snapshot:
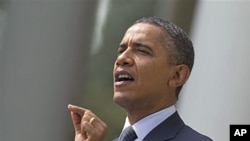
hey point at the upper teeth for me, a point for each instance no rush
(124, 76)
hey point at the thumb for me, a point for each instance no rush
(76, 115)
(76, 119)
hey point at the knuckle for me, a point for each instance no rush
(105, 125)
(88, 112)
(84, 122)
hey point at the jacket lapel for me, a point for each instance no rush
(166, 130)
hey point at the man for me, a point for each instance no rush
(155, 58)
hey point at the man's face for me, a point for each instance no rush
(141, 70)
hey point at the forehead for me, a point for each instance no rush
(143, 31)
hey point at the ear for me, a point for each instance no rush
(179, 76)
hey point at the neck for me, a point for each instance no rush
(136, 114)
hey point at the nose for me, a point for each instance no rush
(125, 58)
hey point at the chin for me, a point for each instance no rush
(117, 97)
(121, 99)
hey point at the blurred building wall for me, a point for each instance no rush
(217, 93)
(2, 28)
(43, 54)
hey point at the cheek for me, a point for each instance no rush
(152, 73)
(152, 82)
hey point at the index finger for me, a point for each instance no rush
(77, 109)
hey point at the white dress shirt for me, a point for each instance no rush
(145, 125)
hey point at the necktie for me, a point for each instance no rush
(128, 134)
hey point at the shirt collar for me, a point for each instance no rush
(145, 125)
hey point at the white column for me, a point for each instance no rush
(42, 64)
(217, 93)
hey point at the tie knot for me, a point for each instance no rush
(128, 134)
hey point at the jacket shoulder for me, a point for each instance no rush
(191, 134)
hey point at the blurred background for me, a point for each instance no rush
(56, 52)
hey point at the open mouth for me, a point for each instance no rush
(123, 76)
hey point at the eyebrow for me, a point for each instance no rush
(137, 45)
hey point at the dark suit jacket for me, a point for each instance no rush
(174, 129)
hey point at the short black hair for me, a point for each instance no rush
(179, 44)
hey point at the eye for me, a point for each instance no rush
(143, 48)
(143, 51)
